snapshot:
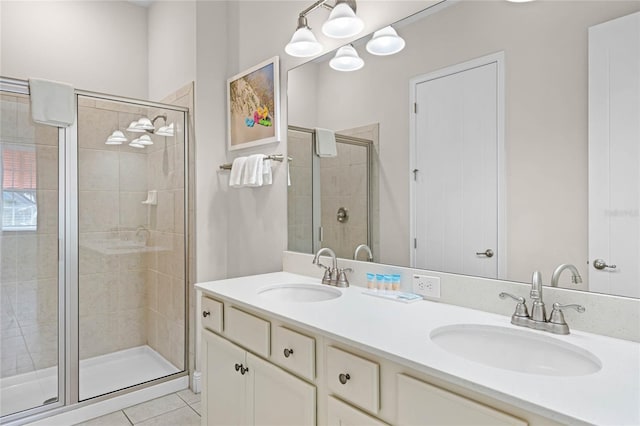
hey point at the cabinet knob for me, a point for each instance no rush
(238, 367)
(288, 353)
(243, 370)
(206, 313)
(344, 378)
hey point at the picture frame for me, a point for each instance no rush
(253, 106)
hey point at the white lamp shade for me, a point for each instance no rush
(116, 138)
(166, 130)
(133, 127)
(303, 44)
(342, 22)
(134, 144)
(144, 140)
(145, 124)
(385, 42)
(346, 59)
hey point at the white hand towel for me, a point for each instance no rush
(267, 175)
(237, 172)
(326, 143)
(253, 170)
(52, 103)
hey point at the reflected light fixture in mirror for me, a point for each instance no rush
(385, 42)
(116, 138)
(343, 21)
(303, 43)
(346, 59)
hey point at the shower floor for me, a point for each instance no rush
(98, 375)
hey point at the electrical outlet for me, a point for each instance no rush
(426, 286)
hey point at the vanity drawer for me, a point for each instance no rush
(294, 351)
(354, 378)
(247, 330)
(425, 404)
(341, 413)
(212, 314)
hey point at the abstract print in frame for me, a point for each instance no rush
(253, 106)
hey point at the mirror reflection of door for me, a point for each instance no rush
(455, 169)
(614, 151)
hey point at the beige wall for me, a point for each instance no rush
(93, 45)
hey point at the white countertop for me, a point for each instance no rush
(400, 332)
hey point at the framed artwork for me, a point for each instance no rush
(253, 106)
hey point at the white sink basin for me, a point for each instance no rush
(516, 350)
(299, 292)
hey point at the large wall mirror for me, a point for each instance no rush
(503, 139)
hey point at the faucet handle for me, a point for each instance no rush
(342, 277)
(557, 322)
(521, 307)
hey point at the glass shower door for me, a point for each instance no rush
(131, 234)
(29, 277)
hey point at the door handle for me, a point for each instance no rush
(487, 252)
(601, 264)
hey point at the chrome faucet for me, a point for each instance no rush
(366, 249)
(538, 318)
(332, 275)
(575, 275)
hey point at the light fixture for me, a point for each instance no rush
(303, 43)
(143, 125)
(116, 138)
(343, 22)
(144, 140)
(165, 130)
(346, 59)
(385, 42)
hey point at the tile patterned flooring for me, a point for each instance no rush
(177, 409)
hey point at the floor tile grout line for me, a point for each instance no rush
(161, 415)
(194, 410)
(127, 417)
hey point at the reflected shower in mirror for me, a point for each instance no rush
(502, 128)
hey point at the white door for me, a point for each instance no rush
(224, 390)
(455, 189)
(279, 398)
(614, 156)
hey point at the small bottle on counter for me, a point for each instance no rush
(395, 282)
(388, 280)
(380, 282)
(371, 281)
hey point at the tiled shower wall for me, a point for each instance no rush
(166, 273)
(112, 183)
(28, 259)
(299, 194)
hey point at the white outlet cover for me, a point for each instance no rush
(426, 286)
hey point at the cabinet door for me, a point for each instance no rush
(422, 404)
(224, 389)
(280, 398)
(342, 414)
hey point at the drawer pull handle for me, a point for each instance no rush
(344, 378)
(206, 313)
(288, 353)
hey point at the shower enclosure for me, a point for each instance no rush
(331, 201)
(93, 251)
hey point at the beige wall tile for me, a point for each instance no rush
(98, 211)
(132, 212)
(132, 328)
(47, 167)
(131, 290)
(133, 171)
(98, 170)
(95, 126)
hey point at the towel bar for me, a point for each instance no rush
(274, 157)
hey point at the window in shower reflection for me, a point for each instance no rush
(19, 205)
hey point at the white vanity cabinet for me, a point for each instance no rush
(241, 388)
(261, 370)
